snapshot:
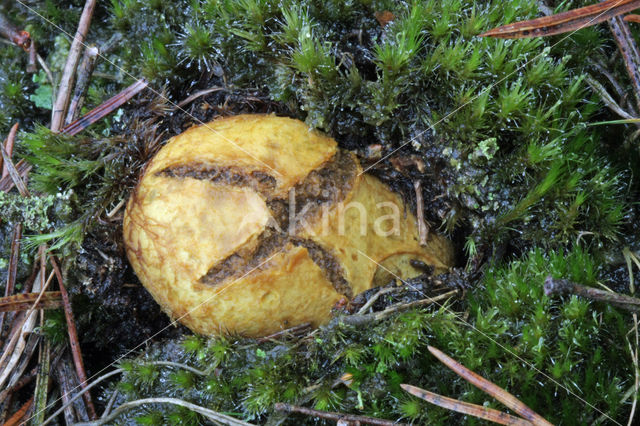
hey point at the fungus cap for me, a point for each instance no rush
(255, 223)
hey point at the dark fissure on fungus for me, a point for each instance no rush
(259, 181)
(325, 186)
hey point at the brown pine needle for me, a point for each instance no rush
(564, 22)
(104, 109)
(23, 168)
(632, 18)
(490, 388)
(8, 145)
(22, 302)
(466, 408)
(73, 339)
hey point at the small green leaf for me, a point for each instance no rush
(42, 96)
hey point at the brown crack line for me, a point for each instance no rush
(326, 185)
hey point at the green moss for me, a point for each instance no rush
(501, 127)
(534, 346)
(424, 81)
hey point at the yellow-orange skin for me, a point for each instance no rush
(176, 229)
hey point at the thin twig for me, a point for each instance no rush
(112, 400)
(474, 410)
(22, 382)
(117, 207)
(27, 354)
(288, 332)
(209, 414)
(84, 77)
(377, 316)
(423, 229)
(113, 373)
(636, 369)
(73, 339)
(606, 98)
(32, 67)
(182, 366)
(8, 145)
(65, 392)
(12, 270)
(82, 392)
(617, 87)
(76, 410)
(336, 417)
(42, 382)
(26, 325)
(559, 286)
(68, 74)
(47, 71)
(374, 298)
(85, 70)
(629, 50)
(490, 388)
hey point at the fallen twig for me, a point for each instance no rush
(84, 76)
(67, 379)
(629, 49)
(8, 145)
(27, 353)
(24, 326)
(377, 316)
(85, 70)
(42, 382)
(13, 173)
(632, 18)
(73, 339)
(423, 229)
(558, 286)
(606, 98)
(337, 417)
(112, 400)
(288, 332)
(374, 298)
(22, 382)
(209, 414)
(113, 373)
(66, 81)
(79, 394)
(12, 270)
(8, 166)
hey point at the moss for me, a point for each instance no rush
(510, 164)
(515, 336)
(423, 81)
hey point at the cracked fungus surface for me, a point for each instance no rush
(255, 223)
